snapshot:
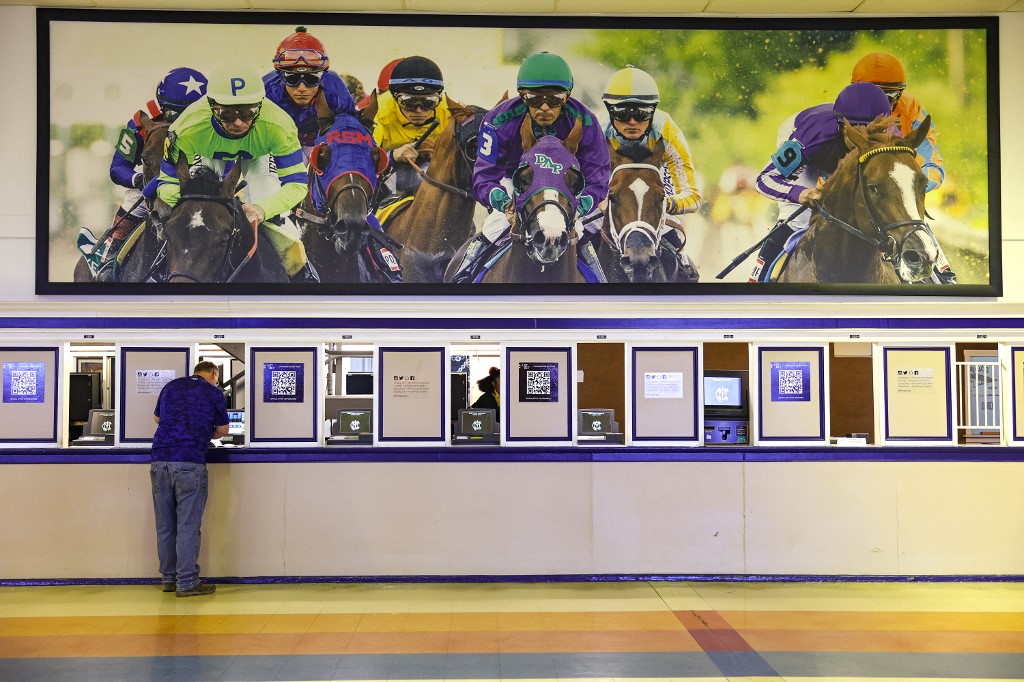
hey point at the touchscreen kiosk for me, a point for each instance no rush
(475, 426)
(99, 429)
(597, 425)
(726, 410)
(352, 426)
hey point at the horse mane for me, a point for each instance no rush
(203, 181)
(636, 151)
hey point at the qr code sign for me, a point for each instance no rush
(23, 383)
(282, 382)
(538, 382)
(791, 382)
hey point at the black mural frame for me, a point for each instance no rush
(708, 286)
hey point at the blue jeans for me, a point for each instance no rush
(179, 498)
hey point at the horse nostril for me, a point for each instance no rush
(538, 239)
(912, 257)
(563, 240)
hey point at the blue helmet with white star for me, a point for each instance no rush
(179, 88)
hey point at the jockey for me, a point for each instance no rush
(235, 124)
(811, 145)
(886, 72)
(414, 102)
(301, 79)
(544, 84)
(175, 91)
(631, 98)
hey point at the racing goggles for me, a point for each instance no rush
(535, 100)
(418, 102)
(627, 112)
(290, 59)
(246, 113)
(310, 79)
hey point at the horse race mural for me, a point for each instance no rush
(465, 155)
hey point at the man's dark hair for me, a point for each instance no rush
(206, 366)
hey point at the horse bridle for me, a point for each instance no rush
(462, 159)
(325, 217)
(235, 207)
(881, 239)
(522, 220)
(651, 231)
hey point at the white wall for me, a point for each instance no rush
(523, 518)
(17, 228)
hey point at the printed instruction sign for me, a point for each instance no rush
(913, 380)
(663, 384)
(24, 382)
(151, 381)
(283, 382)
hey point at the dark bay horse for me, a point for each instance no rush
(208, 238)
(139, 252)
(546, 188)
(343, 169)
(440, 217)
(869, 224)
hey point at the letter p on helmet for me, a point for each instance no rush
(237, 84)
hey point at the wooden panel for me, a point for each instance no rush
(726, 356)
(851, 388)
(604, 377)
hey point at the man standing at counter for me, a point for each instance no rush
(189, 412)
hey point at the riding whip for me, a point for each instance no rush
(743, 256)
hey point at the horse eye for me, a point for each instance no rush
(471, 150)
(574, 181)
(522, 179)
(874, 189)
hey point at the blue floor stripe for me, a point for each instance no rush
(515, 666)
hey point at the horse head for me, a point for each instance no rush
(207, 233)
(465, 128)
(888, 203)
(343, 169)
(547, 187)
(153, 133)
(636, 208)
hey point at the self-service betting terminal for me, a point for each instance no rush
(726, 407)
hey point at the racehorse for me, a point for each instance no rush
(440, 217)
(869, 224)
(546, 188)
(343, 169)
(142, 250)
(635, 217)
(209, 239)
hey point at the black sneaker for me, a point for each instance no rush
(169, 587)
(199, 590)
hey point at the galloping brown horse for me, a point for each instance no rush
(141, 251)
(869, 226)
(547, 187)
(440, 217)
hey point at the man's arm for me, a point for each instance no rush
(220, 431)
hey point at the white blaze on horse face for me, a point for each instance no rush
(197, 221)
(550, 219)
(639, 188)
(903, 176)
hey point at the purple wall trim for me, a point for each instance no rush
(234, 323)
(557, 578)
(485, 454)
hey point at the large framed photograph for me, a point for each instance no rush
(275, 153)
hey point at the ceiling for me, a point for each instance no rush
(571, 7)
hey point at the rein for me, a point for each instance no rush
(881, 239)
(440, 185)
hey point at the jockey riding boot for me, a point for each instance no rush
(472, 260)
(107, 249)
(771, 249)
(675, 239)
(307, 274)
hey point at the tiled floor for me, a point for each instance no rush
(524, 631)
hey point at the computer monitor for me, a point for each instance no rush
(725, 393)
(236, 422)
(101, 423)
(359, 383)
(476, 422)
(596, 422)
(354, 422)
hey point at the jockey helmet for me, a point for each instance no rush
(301, 52)
(179, 88)
(544, 70)
(879, 68)
(236, 85)
(384, 79)
(631, 86)
(416, 75)
(861, 103)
